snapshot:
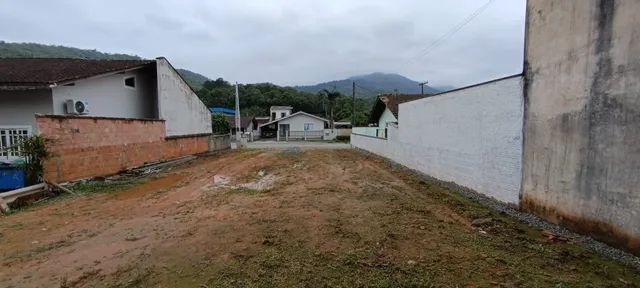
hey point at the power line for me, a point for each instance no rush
(367, 89)
(435, 44)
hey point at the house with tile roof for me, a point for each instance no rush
(384, 112)
(113, 89)
(285, 126)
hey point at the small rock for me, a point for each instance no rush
(133, 238)
(422, 227)
(481, 221)
(35, 242)
(411, 262)
(261, 173)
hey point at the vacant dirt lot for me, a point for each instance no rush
(318, 218)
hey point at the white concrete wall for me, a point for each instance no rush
(296, 123)
(472, 137)
(367, 131)
(18, 108)
(183, 111)
(109, 97)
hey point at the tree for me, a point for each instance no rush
(219, 124)
(331, 97)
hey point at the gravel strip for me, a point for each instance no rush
(533, 220)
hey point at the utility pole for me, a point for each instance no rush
(353, 113)
(421, 84)
(237, 114)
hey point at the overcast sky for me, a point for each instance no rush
(287, 42)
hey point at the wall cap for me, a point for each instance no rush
(38, 115)
(188, 136)
(369, 136)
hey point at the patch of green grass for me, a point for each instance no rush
(103, 186)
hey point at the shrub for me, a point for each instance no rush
(219, 124)
(34, 150)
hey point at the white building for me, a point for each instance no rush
(136, 89)
(297, 126)
(278, 112)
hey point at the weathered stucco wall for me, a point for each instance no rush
(582, 128)
(183, 111)
(472, 137)
(20, 107)
(109, 97)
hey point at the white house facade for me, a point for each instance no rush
(298, 126)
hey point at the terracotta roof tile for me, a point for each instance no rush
(30, 73)
(392, 102)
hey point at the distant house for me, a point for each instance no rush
(255, 124)
(277, 112)
(246, 123)
(385, 111)
(343, 128)
(297, 126)
(123, 89)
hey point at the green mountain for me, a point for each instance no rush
(34, 50)
(371, 85)
(194, 79)
(24, 50)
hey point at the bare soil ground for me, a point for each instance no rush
(317, 218)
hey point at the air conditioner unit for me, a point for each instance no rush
(77, 107)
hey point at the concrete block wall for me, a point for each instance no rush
(582, 128)
(219, 142)
(83, 147)
(472, 137)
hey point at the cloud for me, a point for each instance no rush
(284, 41)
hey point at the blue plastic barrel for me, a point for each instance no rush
(11, 177)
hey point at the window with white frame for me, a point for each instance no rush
(10, 136)
(308, 126)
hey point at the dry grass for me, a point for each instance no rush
(330, 219)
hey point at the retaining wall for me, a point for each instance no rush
(84, 147)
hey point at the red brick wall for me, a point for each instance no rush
(84, 147)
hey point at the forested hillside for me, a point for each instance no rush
(256, 99)
(371, 85)
(23, 50)
(194, 79)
